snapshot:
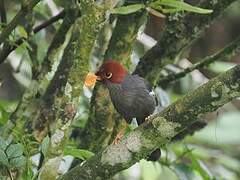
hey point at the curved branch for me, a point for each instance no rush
(161, 128)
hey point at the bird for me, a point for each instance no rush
(131, 95)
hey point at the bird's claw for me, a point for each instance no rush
(148, 118)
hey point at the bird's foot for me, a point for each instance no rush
(118, 138)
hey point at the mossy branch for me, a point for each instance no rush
(161, 128)
(30, 103)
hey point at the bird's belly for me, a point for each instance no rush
(134, 106)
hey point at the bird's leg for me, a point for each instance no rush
(120, 134)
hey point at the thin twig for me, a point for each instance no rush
(3, 12)
(8, 48)
(50, 21)
(225, 53)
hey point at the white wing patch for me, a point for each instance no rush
(151, 93)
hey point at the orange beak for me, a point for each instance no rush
(91, 79)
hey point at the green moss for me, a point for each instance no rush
(89, 26)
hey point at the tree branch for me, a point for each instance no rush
(180, 31)
(72, 68)
(25, 9)
(8, 48)
(226, 53)
(160, 129)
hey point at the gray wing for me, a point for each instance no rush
(137, 94)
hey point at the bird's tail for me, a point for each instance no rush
(155, 155)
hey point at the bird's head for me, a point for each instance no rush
(111, 71)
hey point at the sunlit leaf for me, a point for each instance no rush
(22, 32)
(79, 153)
(180, 5)
(128, 9)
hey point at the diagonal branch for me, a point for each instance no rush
(161, 128)
(226, 53)
(50, 21)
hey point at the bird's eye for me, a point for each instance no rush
(108, 75)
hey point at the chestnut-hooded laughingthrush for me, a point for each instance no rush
(131, 95)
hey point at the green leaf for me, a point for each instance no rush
(128, 9)
(18, 161)
(180, 5)
(79, 153)
(3, 144)
(14, 150)
(22, 32)
(44, 145)
(3, 158)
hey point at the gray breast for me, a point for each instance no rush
(132, 98)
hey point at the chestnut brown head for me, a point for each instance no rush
(111, 71)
